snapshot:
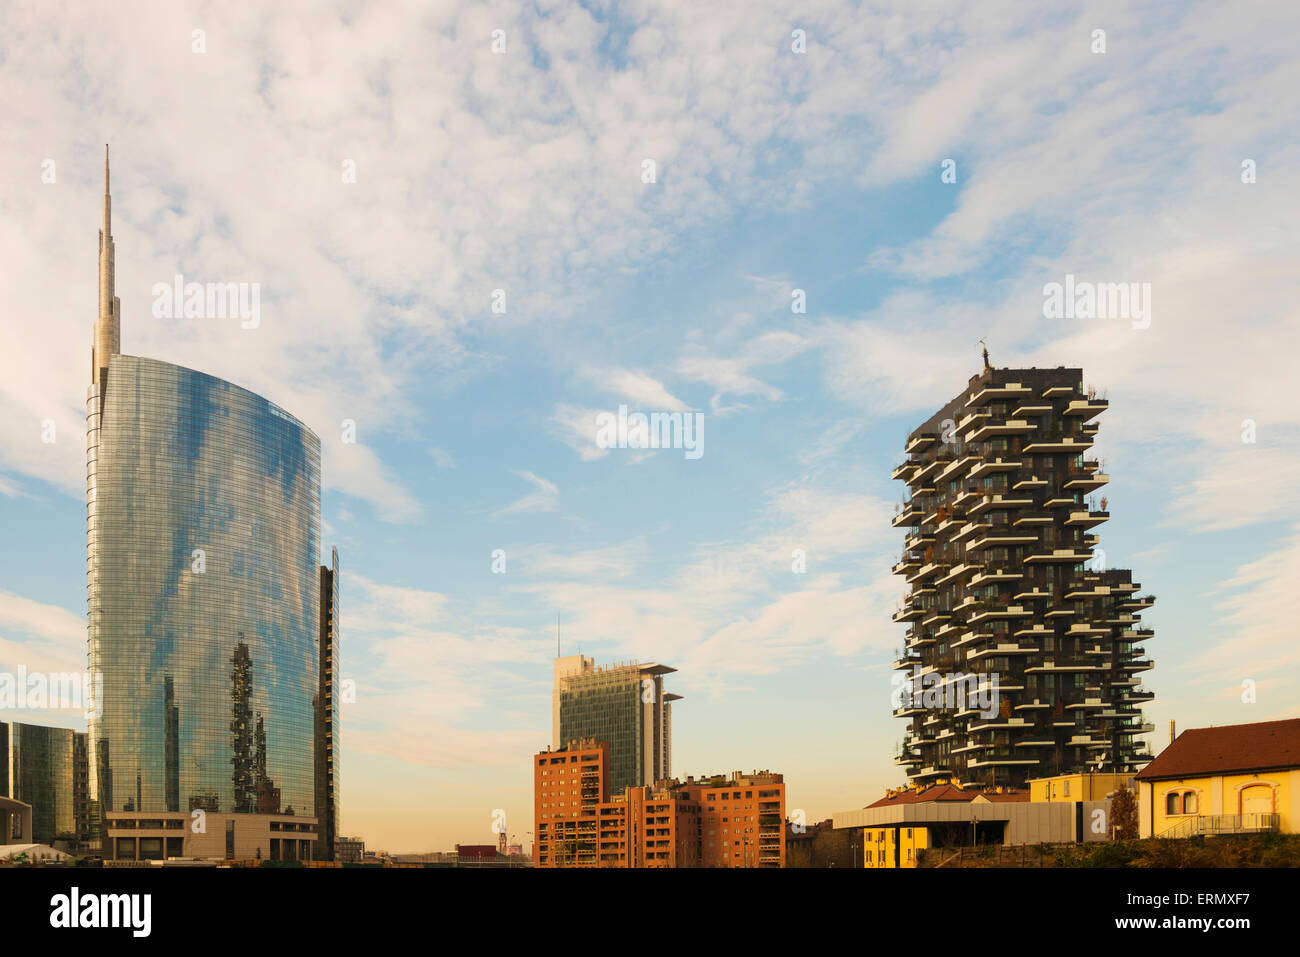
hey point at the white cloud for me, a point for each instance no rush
(541, 500)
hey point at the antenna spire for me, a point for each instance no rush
(108, 321)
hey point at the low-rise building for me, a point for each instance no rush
(349, 850)
(208, 835)
(910, 820)
(1242, 778)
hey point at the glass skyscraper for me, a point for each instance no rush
(203, 586)
(46, 768)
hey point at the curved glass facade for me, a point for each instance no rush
(204, 524)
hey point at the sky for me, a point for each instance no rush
(469, 244)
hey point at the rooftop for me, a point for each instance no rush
(1264, 745)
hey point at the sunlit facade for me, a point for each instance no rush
(46, 768)
(203, 586)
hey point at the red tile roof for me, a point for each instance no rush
(947, 792)
(1262, 746)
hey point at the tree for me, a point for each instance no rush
(1124, 815)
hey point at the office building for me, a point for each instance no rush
(1006, 584)
(47, 768)
(624, 705)
(204, 596)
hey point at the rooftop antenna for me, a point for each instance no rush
(987, 367)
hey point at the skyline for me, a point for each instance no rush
(474, 429)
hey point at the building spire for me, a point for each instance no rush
(108, 321)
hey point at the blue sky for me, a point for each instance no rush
(776, 171)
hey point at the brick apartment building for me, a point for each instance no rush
(720, 821)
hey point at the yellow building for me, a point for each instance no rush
(893, 846)
(1077, 787)
(1235, 779)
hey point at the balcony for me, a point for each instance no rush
(1009, 390)
(907, 515)
(957, 467)
(1087, 519)
(1002, 539)
(1201, 824)
(990, 575)
(926, 470)
(906, 564)
(988, 466)
(1039, 518)
(920, 441)
(981, 431)
(909, 613)
(1032, 408)
(1084, 481)
(1062, 443)
(1086, 408)
(1059, 555)
(995, 502)
(903, 471)
(985, 613)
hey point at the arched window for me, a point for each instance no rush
(1189, 802)
(1173, 803)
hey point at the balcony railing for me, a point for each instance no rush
(1224, 824)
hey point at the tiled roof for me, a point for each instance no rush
(947, 792)
(1234, 747)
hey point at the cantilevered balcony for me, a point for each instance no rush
(906, 564)
(994, 502)
(1081, 480)
(1086, 408)
(918, 442)
(996, 612)
(907, 515)
(1031, 407)
(1001, 538)
(957, 572)
(987, 466)
(927, 470)
(1010, 390)
(1087, 519)
(909, 613)
(984, 430)
(990, 575)
(1058, 556)
(1063, 443)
